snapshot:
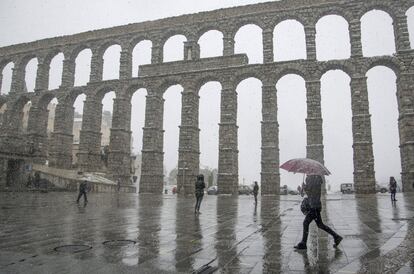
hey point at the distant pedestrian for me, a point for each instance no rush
(37, 179)
(118, 184)
(199, 192)
(255, 191)
(29, 180)
(83, 187)
(393, 188)
(313, 188)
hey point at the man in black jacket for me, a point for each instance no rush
(83, 187)
(199, 192)
(313, 188)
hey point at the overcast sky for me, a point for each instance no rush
(24, 21)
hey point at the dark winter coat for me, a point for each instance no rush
(313, 188)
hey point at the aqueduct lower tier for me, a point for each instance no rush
(191, 73)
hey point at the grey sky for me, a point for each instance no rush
(24, 21)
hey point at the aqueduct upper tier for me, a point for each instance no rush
(191, 73)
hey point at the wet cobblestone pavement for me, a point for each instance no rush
(126, 233)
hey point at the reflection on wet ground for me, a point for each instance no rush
(122, 233)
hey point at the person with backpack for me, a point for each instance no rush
(199, 192)
(313, 187)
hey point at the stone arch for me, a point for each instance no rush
(213, 43)
(176, 54)
(111, 58)
(54, 73)
(384, 106)
(30, 74)
(410, 24)
(132, 43)
(167, 83)
(83, 60)
(73, 53)
(138, 96)
(347, 68)
(206, 28)
(104, 89)
(249, 46)
(289, 17)
(255, 74)
(388, 42)
(336, 111)
(207, 78)
(296, 70)
(377, 5)
(135, 48)
(388, 62)
(328, 51)
(6, 71)
(344, 13)
(280, 27)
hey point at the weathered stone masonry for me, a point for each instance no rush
(191, 73)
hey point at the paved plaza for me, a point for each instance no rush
(127, 233)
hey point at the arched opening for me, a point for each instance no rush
(55, 71)
(141, 55)
(383, 107)
(7, 78)
(249, 117)
(77, 125)
(377, 29)
(211, 44)
(83, 67)
(209, 119)
(106, 121)
(337, 127)
(174, 48)
(25, 116)
(30, 75)
(3, 110)
(138, 101)
(111, 62)
(51, 108)
(248, 40)
(171, 123)
(291, 116)
(410, 23)
(332, 38)
(289, 42)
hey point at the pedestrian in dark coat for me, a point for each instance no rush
(82, 191)
(255, 191)
(313, 188)
(393, 188)
(199, 192)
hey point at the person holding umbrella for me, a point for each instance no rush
(313, 188)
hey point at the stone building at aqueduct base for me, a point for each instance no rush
(18, 147)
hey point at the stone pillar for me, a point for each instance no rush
(157, 53)
(96, 67)
(152, 168)
(267, 45)
(68, 72)
(42, 77)
(314, 133)
(37, 131)
(228, 44)
(355, 38)
(89, 156)
(119, 162)
(270, 176)
(228, 168)
(61, 143)
(125, 68)
(405, 87)
(402, 36)
(191, 50)
(314, 144)
(189, 148)
(310, 33)
(364, 174)
(18, 83)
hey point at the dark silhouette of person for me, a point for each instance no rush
(199, 192)
(313, 188)
(82, 191)
(255, 191)
(393, 188)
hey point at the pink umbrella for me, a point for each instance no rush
(306, 166)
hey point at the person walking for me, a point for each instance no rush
(255, 191)
(313, 187)
(393, 188)
(199, 192)
(82, 191)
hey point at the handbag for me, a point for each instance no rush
(305, 206)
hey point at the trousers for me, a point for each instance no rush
(315, 214)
